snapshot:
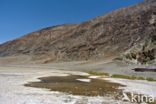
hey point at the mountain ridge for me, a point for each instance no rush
(108, 35)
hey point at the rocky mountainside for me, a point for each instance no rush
(128, 32)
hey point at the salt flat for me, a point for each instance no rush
(12, 90)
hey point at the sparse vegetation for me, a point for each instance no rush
(141, 78)
(120, 76)
(150, 79)
(97, 73)
(132, 77)
(124, 77)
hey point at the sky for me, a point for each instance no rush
(20, 17)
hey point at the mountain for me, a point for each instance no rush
(128, 33)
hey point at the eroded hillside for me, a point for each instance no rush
(107, 35)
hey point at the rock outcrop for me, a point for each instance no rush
(144, 52)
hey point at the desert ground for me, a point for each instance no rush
(13, 77)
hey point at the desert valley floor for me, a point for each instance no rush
(13, 91)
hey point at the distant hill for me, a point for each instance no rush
(128, 33)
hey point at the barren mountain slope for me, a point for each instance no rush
(106, 35)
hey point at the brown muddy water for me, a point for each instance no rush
(70, 85)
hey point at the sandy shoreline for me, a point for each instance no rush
(13, 91)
